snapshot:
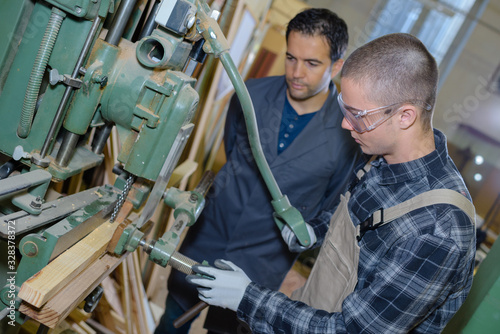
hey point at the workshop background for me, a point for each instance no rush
(464, 37)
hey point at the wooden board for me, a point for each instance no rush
(42, 286)
(122, 224)
(60, 305)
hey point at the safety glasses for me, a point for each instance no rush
(367, 120)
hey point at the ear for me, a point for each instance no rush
(407, 116)
(336, 67)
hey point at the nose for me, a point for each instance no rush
(298, 70)
(346, 125)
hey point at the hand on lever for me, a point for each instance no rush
(223, 286)
(291, 239)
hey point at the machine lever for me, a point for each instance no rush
(55, 78)
(189, 314)
(164, 175)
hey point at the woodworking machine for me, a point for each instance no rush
(71, 73)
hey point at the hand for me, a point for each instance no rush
(291, 239)
(224, 287)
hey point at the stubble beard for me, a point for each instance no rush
(299, 95)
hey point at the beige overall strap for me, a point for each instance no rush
(431, 197)
(365, 169)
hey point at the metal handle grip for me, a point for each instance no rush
(189, 314)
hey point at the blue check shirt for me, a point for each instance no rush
(413, 273)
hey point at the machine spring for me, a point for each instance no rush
(122, 197)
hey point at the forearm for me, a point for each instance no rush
(268, 311)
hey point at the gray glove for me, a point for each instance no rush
(291, 239)
(222, 287)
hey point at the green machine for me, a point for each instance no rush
(72, 71)
(481, 311)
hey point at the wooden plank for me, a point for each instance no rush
(111, 295)
(79, 315)
(59, 306)
(126, 297)
(42, 286)
(122, 224)
(185, 169)
(141, 321)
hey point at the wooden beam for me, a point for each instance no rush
(60, 305)
(126, 298)
(141, 319)
(122, 223)
(42, 286)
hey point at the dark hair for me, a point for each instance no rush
(395, 68)
(322, 22)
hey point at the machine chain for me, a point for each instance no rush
(122, 197)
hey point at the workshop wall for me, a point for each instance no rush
(468, 105)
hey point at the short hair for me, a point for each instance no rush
(395, 68)
(322, 22)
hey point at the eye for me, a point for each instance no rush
(312, 64)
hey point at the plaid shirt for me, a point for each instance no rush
(413, 273)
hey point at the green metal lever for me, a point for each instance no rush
(216, 43)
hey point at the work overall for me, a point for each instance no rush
(335, 272)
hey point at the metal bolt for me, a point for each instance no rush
(213, 35)
(78, 10)
(193, 198)
(147, 247)
(190, 21)
(36, 203)
(104, 81)
(215, 14)
(93, 299)
(101, 80)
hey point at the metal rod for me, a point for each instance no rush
(67, 93)
(101, 137)
(182, 263)
(150, 24)
(205, 183)
(67, 148)
(120, 22)
(189, 314)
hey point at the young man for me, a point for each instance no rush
(309, 153)
(415, 269)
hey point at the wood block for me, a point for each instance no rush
(59, 306)
(111, 295)
(78, 315)
(186, 168)
(122, 224)
(42, 286)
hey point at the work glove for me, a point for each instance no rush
(223, 286)
(291, 239)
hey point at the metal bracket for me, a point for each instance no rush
(165, 173)
(93, 299)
